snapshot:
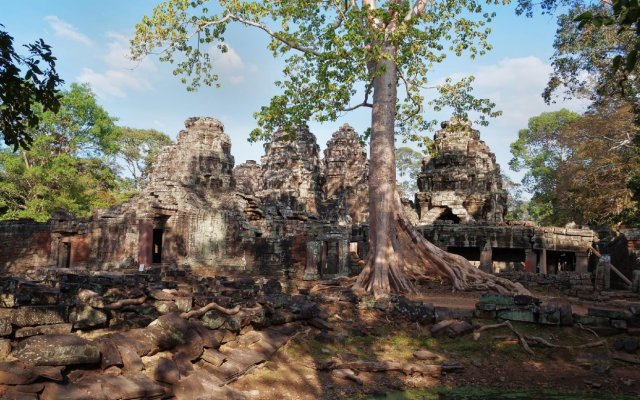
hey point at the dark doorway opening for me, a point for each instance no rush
(448, 215)
(470, 253)
(156, 254)
(64, 255)
(560, 261)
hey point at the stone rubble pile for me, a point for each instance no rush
(140, 335)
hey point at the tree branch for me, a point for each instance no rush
(416, 10)
(264, 28)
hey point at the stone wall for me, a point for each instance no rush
(24, 243)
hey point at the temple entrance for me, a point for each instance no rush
(448, 215)
(64, 255)
(560, 261)
(156, 254)
(330, 258)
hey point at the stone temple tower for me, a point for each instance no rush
(461, 183)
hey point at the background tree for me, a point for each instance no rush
(541, 151)
(517, 205)
(575, 170)
(408, 162)
(335, 51)
(26, 81)
(596, 55)
(69, 165)
(139, 149)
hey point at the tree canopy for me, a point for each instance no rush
(139, 149)
(70, 164)
(26, 83)
(574, 170)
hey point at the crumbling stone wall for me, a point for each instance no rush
(462, 182)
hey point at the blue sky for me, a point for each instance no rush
(90, 39)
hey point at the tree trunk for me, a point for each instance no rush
(397, 252)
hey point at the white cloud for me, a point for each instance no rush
(516, 85)
(65, 30)
(229, 64)
(122, 74)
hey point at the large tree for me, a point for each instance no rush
(337, 50)
(69, 165)
(26, 83)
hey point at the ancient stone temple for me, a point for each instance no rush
(291, 171)
(294, 213)
(462, 182)
(346, 173)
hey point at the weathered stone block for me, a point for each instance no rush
(8, 300)
(5, 327)
(485, 306)
(39, 315)
(518, 315)
(165, 306)
(5, 348)
(184, 304)
(84, 317)
(213, 320)
(591, 320)
(57, 350)
(607, 313)
(497, 299)
(54, 329)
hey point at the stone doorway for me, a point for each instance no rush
(64, 255)
(156, 253)
(560, 261)
(330, 258)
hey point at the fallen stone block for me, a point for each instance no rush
(131, 361)
(166, 371)
(607, 313)
(57, 350)
(55, 329)
(497, 299)
(110, 353)
(214, 357)
(5, 327)
(83, 317)
(19, 373)
(518, 315)
(39, 315)
(591, 320)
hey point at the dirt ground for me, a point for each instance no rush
(495, 361)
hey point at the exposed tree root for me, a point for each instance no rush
(211, 306)
(383, 366)
(385, 272)
(525, 339)
(116, 305)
